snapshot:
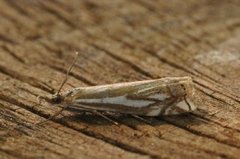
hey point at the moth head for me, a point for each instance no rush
(57, 99)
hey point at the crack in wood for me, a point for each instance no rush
(16, 7)
(56, 14)
(77, 76)
(26, 79)
(220, 154)
(18, 58)
(180, 58)
(7, 39)
(17, 103)
(215, 90)
(218, 99)
(132, 65)
(15, 154)
(201, 134)
(215, 122)
(115, 142)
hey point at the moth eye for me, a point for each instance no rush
(56, 99)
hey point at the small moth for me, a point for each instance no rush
(165, 96)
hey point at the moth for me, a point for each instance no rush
(165, 96)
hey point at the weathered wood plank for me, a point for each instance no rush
(119, 41)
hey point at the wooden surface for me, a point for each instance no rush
(119, 41)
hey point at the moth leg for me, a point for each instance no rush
(53, 116)
(140, 118)
(105, 117)
(185, 98)
(171, 102)
(170, 91)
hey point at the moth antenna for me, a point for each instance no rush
(67, 74)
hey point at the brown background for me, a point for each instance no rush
(119, 41)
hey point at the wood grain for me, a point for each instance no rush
(119, 41)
